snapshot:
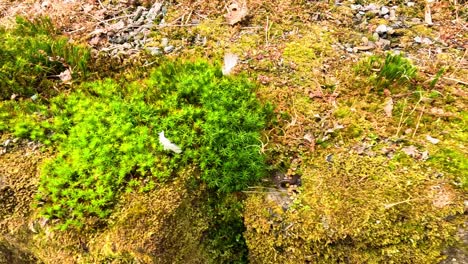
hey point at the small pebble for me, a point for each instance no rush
(427, 41)
(381, 29)
(127, 45)
(384, 10)
(371, 7)
(154, 50)
(168, 49)
(383, 43)
(45, 4)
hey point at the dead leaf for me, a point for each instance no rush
(388, 108)
(94, 41)
(65, 76)
(309, 137)
(411, 151)
(236, 13)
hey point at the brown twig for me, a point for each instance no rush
(455, 80)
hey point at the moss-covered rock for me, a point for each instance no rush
(357, 210)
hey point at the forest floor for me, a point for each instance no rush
(321, 64)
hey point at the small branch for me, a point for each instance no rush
(100, 3)
(388, 206)
(455, 80)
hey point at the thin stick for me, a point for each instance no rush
(260, 192)
(419, 121)
(262, 187)
(188, 17)
(388, 206)
(76, 30)
(412, 111)
(114, 18)
(100, 3)
(455, 80)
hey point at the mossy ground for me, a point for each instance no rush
(362, 199)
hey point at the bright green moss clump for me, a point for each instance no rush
(356, 210)
(32, 56)
(388, 71)
(108, 138)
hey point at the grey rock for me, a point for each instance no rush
(383, 43)
(381, 29)
(154, 50)
(392, 14)
(371, 7)
(384, 10)
(168, 49)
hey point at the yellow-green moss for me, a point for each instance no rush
(356, 210)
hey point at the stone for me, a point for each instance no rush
(154, 50)
(168, 49)
(384, 10)
(381, 29)
(383, 43)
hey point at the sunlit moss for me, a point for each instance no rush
(356, 209)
